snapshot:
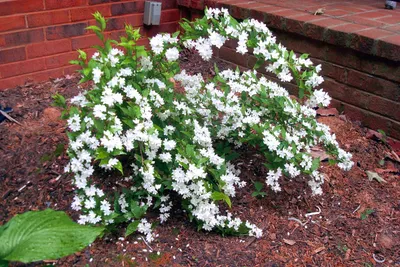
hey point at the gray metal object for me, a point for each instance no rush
(390, 4)
(152, 13)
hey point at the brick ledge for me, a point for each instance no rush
(339, 31)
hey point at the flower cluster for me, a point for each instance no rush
(166, 143)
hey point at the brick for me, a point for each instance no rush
(231, 56)
(116, 35)
(21, 38)
(257, 14)
(144, 41)
(368, 119)
(85, 13)
(196, 14)
(241, 11)
(166, 27)
(315, 29)
(390, 20)
(197, 4)
(374, 15)
(346, 94)
(362, 99)
(55, 4)
(12, 55)
(127, 8)
(14, 7)
(96, 2)
(340, 35)
(85, 41)
(47, 18)
(184, 13)
(394, 28)
(274, 21)
(48, 48)
(373, 84)
(118, 23)
(183, 3)
(60, 60)
(302, 44)
(336, 72)
(71, 69)
(65, 31)
(389, 47)
(37, 77)
(23, 67)
(290, 13)
(363, 21)
(170, 15)
(365, 41)
(395, 132)
(381, 67)
(167, 4)
(383, 106)
(343, 56)
(231, 43)
(12, 23)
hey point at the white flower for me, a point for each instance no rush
(105, 207)
(99, 111)
(157, 44)
(216, 39)
(90, 203)
(144, 227)
(271, 141)
(292, 170)
(165, 157)
(97, 73)
(172, 54)
(169, 145)
(74, 123)
(146, 63)
(273, 179)
(319, 97)
(314, 80)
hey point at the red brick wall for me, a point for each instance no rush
(39, 37)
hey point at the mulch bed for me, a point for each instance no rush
(359, 217)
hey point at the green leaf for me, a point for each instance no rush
(119, 167)
(137, 211)
(3, 263)
(221, 196)
(100, 19)
(132, 227)
(82, 54)
(44, 235)
(366, 213)
(59, 101)
(74, 62)
(190, 150)
(259, 63)
(315, 164)
(93, 28)
(258, 186)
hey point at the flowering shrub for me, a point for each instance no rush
(164, 142)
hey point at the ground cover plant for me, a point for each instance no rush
(43, 235)
(163, 142)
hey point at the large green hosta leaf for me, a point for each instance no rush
(40, 235)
